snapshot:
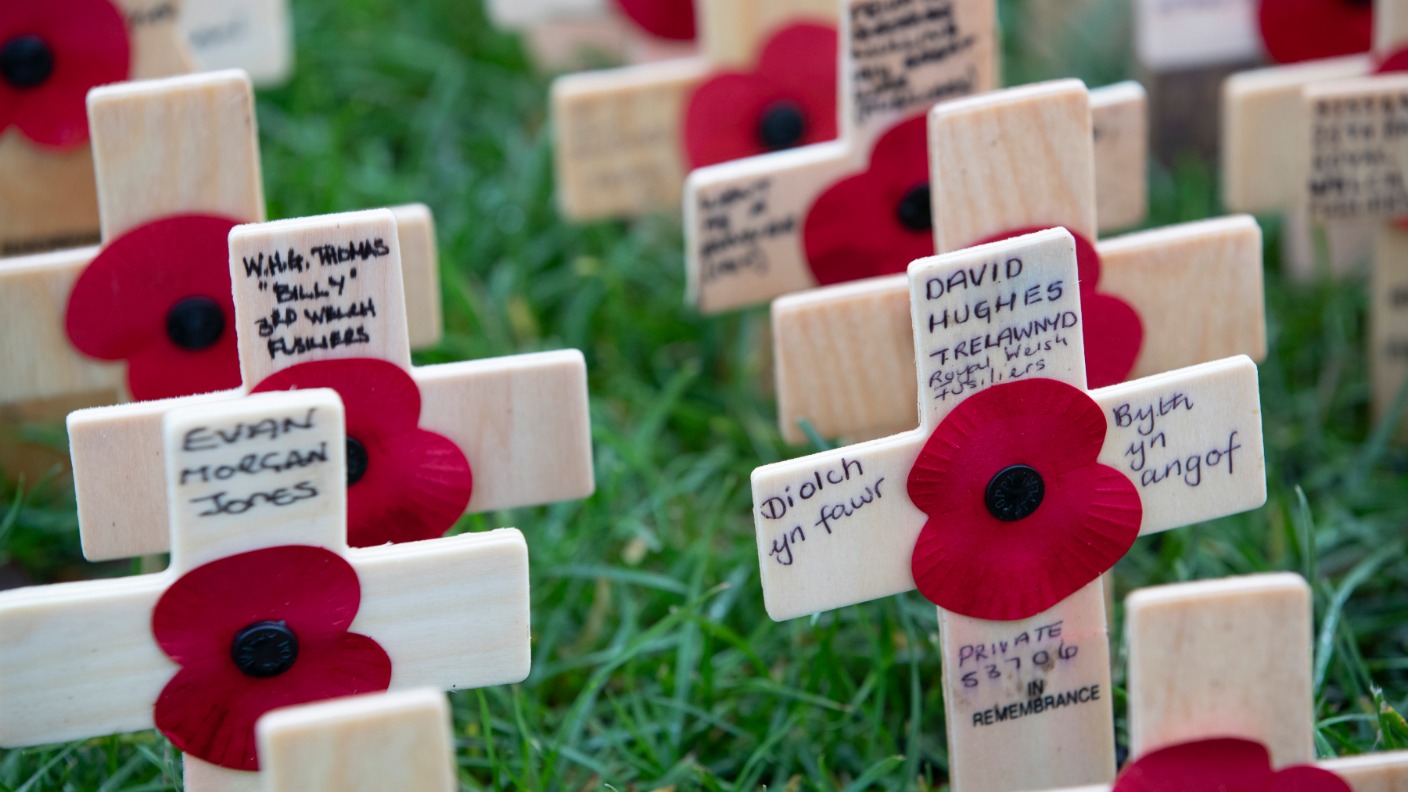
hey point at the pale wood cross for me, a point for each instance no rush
(254, 35)
(178, 146)
(330, 289)
(619, 143)
(1357, 169)
(1231, 659)
(839, 528)
(48, 198)
(1196, 287)
(264, 604)
(368, 743)
(1265, 150)
(564, 33)
(1173, 36)
(749, 223)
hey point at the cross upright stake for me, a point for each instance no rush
(620, 145)
(370, 743)
(994, 511)
(254, 35)
(318, 302)
(1265, 151)
(1230, 659)
(47, 189)
(264, 605)
(166, 151)
(1194, 290)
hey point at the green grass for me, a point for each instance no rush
(654, 663)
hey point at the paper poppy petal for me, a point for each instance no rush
(119, 305)
(666, 19)
(1305, 778)
(1301, 30)
(853, 230)
(1114, 335)
(416, 487)
(1216, 765)
(724, 114)
(1395, 62)
(210, 710)
(417, 483)
(89, 43)
(1044, 423)
(313, 589)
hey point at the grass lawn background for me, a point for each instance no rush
(654, 662)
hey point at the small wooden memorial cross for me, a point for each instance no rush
(370, 743)
(759, 228)
(1265, 150)
(264, 605)
(563, 34)
(1229, 660)
(318, 302)
(172, 155)
(47, 193)
(1016, 492)
(254, 35)
(1159, 300)
(621, 135)
(1358, 170)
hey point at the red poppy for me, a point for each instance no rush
(1221, 765)
(1300, 30)
(789, 101)
(255, 632)
(51, 54)
(1021, 515)
(1113, 333)
(877, 222)
(160, 298)
(666, 19)
(404, 484)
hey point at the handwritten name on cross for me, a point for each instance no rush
(1195, 288)
(1231, 658)
(328, 289)
(164, 149)
(620, 147)
(48, 195)
(839, 528)
(262, 605)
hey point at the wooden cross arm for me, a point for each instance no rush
(837, 528)
(1197, 288)
(1262, 131)
(457, 607)
(522, 421)
(40, 363)
(79, 660)
(373, 743)
(598, 176)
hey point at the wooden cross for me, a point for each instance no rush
(1357, 169)
(1264, 148)
(754, 228)
(560, 32)
(619, 143)
(254, 35)
(264, 604)
(1196, 288)
(47, 194)
(369, 743)
(179, 146)
(329, 289)
(839, 528)
(1231, 659)
(1173, 36)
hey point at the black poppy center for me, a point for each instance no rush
(264, 649)
(782, 126)
(26, 62)
(915, 211)
(195, 323)
(357, 461)
(1015, 493)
